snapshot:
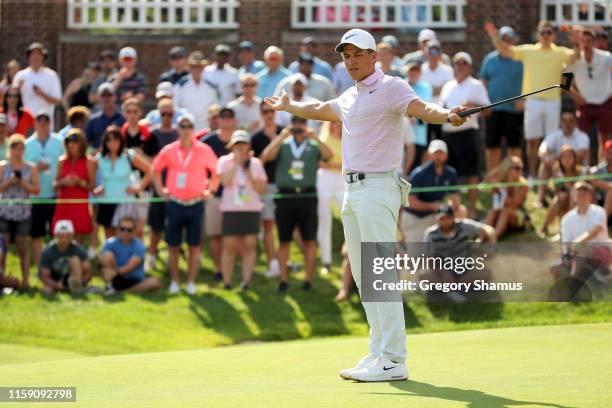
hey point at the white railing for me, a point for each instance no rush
(377, 13)
(583, 12)
(152, 14)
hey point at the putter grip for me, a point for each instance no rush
(469, 112)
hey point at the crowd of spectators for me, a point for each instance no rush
(213, 163)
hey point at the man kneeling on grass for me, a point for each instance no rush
(122, 261)
(63, 263)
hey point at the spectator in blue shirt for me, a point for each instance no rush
(270, 77)
(178, 63)
(419, 128)
(320, 67)
(248, 63)
(503, 78)
(107, 116)
(424, 205)
(122, 261)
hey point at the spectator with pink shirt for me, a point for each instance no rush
(188, 163)
(244, 179)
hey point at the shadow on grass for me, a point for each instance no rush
(218, 314)
(467, 312)
(472, 398)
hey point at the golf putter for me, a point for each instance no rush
(566, 82)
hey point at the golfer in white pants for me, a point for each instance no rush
(371, 113)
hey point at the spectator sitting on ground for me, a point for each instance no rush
(18, 180)
(317, 86)
(603, 183)
(420, 56)
(19, 118)
(39, 85)
(320, 67)
(165, 90)
(122, 259)
(550, 149)
(297, 152)
(108, 64)
(247, 106)
(77, 92)
(108, 115)
(222, 75)
(273, 74)
(128, 82)
(63, 264)
(195, 92)
(507, 210)
(248, 63)
(77, 117)
(12, 67)
(177, 57)
(421, 213)
(566, 165)
(244, 179)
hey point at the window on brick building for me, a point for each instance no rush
(152, 14)
(377, 13)
(583, 12)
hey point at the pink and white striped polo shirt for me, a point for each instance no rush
(372, 112)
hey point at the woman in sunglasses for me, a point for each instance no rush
(19, 118)
(18, 180)
(76, 177)
(115, 163)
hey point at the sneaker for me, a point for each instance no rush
(218, 276)
(273, 269)
(325, 269)
(244, 286)
(191, 288)
(227, 286)
(74, 285)
(307, 286)
(346, 373)
(110, 290)
(174, 288)
(381, 369)
(91, 253)
(150, 262)
(283, 287)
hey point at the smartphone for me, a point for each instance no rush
(247, 164)
(17, 173)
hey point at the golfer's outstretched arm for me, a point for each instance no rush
(315, 110)
(432, 113)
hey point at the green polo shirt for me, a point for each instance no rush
(297, 170)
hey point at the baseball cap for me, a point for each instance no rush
(37, 46)
(186, 116)
(411, 65)
(359, 38)
(164, 89)
(42, 112)
(196, 58)
(391, 40)
(436, 145)
(309, 41)
(127, 52)
(246, 45)
(63, 227)
(507, 31)
(107, 54)
(106, 87)
(177, 52)
(3, 120)
(239, 136)
(222, 49)
(299, 77)
(462, 56)
(306, 57)
(583, 184)
(446, 209)
(426, 35)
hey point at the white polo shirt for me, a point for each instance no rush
(436, 77)
(372, 113)
(598, 88)
(196, 98)
(226, 80)
(470, 90)
(575, 224)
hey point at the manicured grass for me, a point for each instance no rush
(551, 366)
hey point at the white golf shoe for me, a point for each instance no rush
(381, 369)
(346, 373)
(174, 288)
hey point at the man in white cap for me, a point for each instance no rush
(63, 264)
(371, 113)
(425, 36)
(128, 82)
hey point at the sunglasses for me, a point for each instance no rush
(132, 111)
(266, 111)
(107, 95)
(73, 139)
(12, 95)
(226, 116)
(126, 229)
(249, 85)
(520, 168)
(177, 57)
(42, 119)
(170, 114)
(188, 126)
(17, 146)
(546, 32)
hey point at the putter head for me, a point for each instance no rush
(566, 80)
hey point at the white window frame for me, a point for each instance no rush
(361, 13)
(560, 20)
(152, 14)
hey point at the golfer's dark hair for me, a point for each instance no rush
(545, 24)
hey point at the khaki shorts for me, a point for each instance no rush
(213, 218)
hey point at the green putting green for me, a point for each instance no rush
(547, 366)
